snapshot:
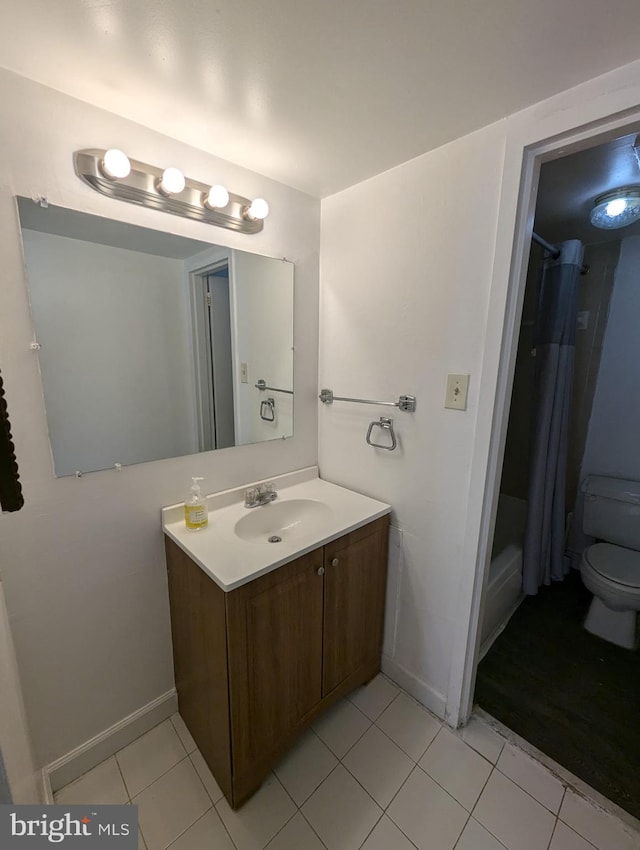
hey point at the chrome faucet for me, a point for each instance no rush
(260, 495)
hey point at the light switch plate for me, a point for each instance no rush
(244, 374)
(457, 390)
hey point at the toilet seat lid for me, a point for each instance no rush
(615, 563)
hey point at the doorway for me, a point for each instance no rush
(572, 695)
(213, 341)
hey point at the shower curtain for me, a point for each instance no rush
(554, 340)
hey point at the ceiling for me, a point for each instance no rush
(317, 95)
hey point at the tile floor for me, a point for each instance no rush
(377, 772)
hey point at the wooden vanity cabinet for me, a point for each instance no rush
(255, 666)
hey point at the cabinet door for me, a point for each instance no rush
(355, 584)
(275, 657)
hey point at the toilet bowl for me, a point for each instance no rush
(612, 574)
(611, 570)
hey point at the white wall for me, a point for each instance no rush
(416, 269)
(101, 311)
(404, 301)
(83, 563)
(612, 440)
(263, 302)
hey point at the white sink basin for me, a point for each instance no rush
(308, 513)
(279, 522)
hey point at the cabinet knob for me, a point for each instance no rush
(334, 562)
(320, 571)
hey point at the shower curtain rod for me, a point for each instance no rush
(553, 250)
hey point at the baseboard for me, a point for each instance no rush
(72, 765)
(425, 694)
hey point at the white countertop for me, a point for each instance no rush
(232, 562)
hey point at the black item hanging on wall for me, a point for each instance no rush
(11, 498)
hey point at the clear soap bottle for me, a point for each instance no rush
(196, 512)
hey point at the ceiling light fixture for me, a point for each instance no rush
(113, 174)
(617, 208)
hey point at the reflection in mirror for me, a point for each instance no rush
(151, 344)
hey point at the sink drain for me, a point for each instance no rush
(275, 539)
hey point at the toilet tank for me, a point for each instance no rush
(612, 510)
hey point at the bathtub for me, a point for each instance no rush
(504, 590)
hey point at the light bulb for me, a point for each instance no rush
(258, 209)
(172, 182)
(616, 207)
(115, 164)
(217, 197)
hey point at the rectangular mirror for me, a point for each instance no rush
(154, 345)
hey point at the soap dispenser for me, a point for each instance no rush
(196, 513)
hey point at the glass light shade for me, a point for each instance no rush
(217, 197)
(115, 164)
(616, 209)
(259, 208)
(172, 182)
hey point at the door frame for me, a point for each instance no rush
(591, 114)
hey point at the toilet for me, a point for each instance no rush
(611, 569)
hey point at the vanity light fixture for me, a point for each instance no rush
(172, 181)
(618, 208)
(258, 210)
(115, 164)
(217, 197)
(112, 173)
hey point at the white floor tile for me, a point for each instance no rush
(146, 759)
(429, 816)
(475, 837)
(512, 816)
(532, 776)
(171, 805)
(208, 832)
(374, 697)
(101, 784)
(409, 725)
(379, 765)
(387, 836)
(485, 740)
(208, 779)
(305, 767)
(183, 733)
(260, 818)
(341, 727)
(565, 838)
(460, 770)
(297, 835)
(341, 812)
(598, 827)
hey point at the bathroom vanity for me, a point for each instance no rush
(262, 646)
